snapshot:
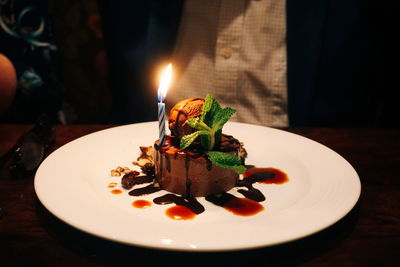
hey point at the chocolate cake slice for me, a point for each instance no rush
(190, 173)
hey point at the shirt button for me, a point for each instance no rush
(227, 52)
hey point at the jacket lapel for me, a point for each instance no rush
(305, 29)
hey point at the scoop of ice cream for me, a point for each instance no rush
(181, 112)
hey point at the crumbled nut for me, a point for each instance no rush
(119, 169)
(115, 173)
(126, 170)
(145, 157)
(147, 151)
(141, 162)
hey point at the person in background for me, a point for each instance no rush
(27, 63)
(235, 50)
(279, 63)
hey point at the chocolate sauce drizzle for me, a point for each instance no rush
(251, 192)
(188, 202)
(129, 180)
(168, 163)
(253, 175)
(221, 199)
(188, 181)
(149, 189)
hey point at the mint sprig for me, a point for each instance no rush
(210, 123)
(220, 117)
(188, 139)
(226, 160)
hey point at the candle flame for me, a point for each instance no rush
(165, 82)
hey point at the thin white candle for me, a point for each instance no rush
(161, 94)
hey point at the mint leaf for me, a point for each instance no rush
(196, 123)
(218, 137)
(205, 141)
(208, 102)
(226, 160)
(210, 122)
(215, 107)
(221, 117)
(187, 140)
(193, 122)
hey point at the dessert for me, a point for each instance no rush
(187, 169)
(197, 160)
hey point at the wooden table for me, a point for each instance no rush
(368, 235)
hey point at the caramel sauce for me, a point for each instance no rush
(116, 191)
(141, 204)
(267, 175)
(243, 206)
(173, 151)
(180, 213)
(112, 185)
(238, 206)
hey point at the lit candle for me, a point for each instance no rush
(162, 92)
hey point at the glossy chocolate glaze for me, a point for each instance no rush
(190, 173)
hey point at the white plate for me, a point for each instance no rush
(72, 184)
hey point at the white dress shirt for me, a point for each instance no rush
(235, 50)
